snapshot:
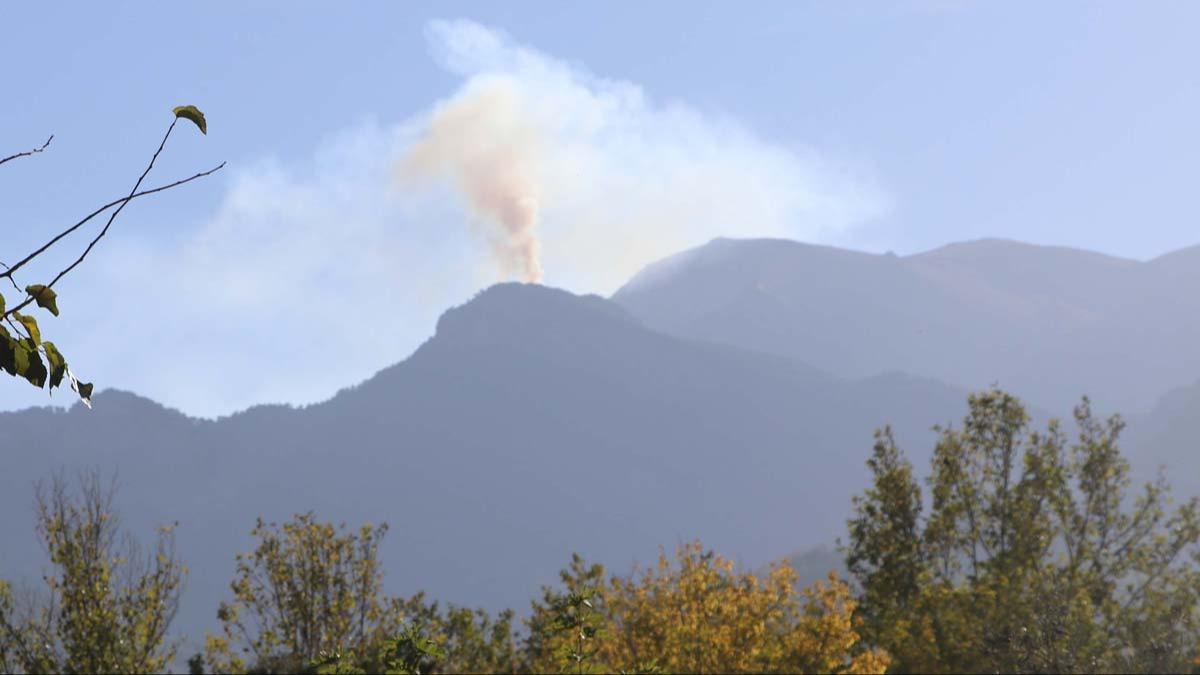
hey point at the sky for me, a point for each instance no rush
(388, 160)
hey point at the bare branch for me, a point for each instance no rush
(124, 200)
(12, 280)
(115, 213)
(27, 153)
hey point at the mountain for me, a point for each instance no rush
(533, 424)
(813, 565)
(1048, 323)
(1168, 438)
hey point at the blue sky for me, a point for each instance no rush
(313, 260)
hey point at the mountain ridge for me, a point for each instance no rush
(1051, 322)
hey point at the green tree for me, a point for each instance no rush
(561, 624)
(309, 599)
(467, 640)
(1034, 556)
(109, 603)
(888, 548)
(459, 641)
(307, 591)
(23, 352)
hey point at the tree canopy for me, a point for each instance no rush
(1034, 556)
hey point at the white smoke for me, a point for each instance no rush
(484, 141)
(591, 180)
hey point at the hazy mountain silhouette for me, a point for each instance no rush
(1168, 438)
(1049, 323)
(812, 565)
(533, 424)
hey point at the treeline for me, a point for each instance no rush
(309, 599)
(1021, 551)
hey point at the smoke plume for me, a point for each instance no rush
(595, 179)
(482, 142)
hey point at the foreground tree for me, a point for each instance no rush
(566, 623)
(697, 614)
(109, 603)
(464, 640)
(307, 591)
(456, 640)
(23, 352)
(1034, 557)
(309, 599)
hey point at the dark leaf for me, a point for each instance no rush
(35, 370)
(20, 357)
(8, 347)
(58, 364)
(84, 389)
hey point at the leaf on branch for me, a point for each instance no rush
(58, 364)
(30, 325)
(1, 307)
(20, 358)
(84, 389)
(192, 113)
(8, 348)
(45, 297)
(35, 370)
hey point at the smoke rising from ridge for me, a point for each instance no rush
(482, 142)
(589, 177)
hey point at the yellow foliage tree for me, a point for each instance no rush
(697, 614)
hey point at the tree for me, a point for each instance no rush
(23, 352)
(696, 614)
(460, 641)
(564, 620)
(1034, 555)
(309, 599)
(465, 640)
(110, 603)
(308, 590)
(886, 549)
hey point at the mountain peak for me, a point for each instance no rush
(992, 248)
(745, 258)
(520, 307)
(127, 403)
(1185, 257)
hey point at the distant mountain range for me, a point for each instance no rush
(1051, 323)
(729, 393)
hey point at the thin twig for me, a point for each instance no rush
(28, 152)
(12, 280)
(103, 231)
(102, 209)
(115, 213)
